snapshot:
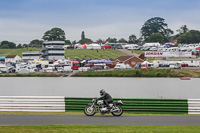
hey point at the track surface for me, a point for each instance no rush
(98, 120)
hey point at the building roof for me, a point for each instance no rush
(125, 58)
(47, 42)
(31, 52)
(11, 56)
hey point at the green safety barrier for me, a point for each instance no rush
(144, 106)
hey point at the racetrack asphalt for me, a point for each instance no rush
(99, 120)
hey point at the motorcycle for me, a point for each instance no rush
(98, 105)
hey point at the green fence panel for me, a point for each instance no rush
(133, 105)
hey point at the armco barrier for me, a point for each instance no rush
(193, 106)
(167, 106)
(32, 103)
(62, 104)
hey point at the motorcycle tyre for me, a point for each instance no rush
(113, 113)
(89, 114)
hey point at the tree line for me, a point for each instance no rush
(154, 30)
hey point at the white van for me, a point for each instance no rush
(122, 66)
(67, 69)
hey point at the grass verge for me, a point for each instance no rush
(81, 113)
(99, 129)
(132, 73)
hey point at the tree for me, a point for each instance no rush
(19, 46)
(192, 36)
(100, 40)
(132, 39)
(183, 29)
(25, 46)
(111, 40)
(156, 25)
(122, 40)
(83, 39)
(82, 35)
(55, 34)
(74, 42)
(68, 42)
(155, 37)
(36, 43)
(7, 45)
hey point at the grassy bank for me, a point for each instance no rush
(139, 52)
(133, 73)
(99, 129)
(118, 73)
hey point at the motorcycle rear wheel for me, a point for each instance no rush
(89, 111)
(119, 112)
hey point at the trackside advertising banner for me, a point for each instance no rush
(167, 54)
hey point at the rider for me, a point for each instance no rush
(106, 98)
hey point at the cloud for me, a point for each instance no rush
(24, 20)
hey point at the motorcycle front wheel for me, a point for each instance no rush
(89, 111)
(119, 112)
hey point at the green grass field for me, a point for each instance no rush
(99, 129)
(93, 54)
(5, 52)
(72, 53)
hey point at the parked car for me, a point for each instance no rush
(153, 49)
(134, 48)
(138, 66)
(60, 69)
(146, 48)
(84, 69)
(12, 70)
(95, 68)
(175, 65)
(88, 65)
(184, 65)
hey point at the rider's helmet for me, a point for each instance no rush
(102, 92)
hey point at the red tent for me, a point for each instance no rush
(106, 46)
(198, 48)
(83, 46)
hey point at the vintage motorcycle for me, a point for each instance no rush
(98, 105)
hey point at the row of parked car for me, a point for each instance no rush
(143, 48)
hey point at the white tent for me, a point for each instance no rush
(93, 46)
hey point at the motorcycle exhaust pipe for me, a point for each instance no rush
(115, 110)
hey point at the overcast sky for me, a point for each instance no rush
(24, 20)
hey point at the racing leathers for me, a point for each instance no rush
(106, 99)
